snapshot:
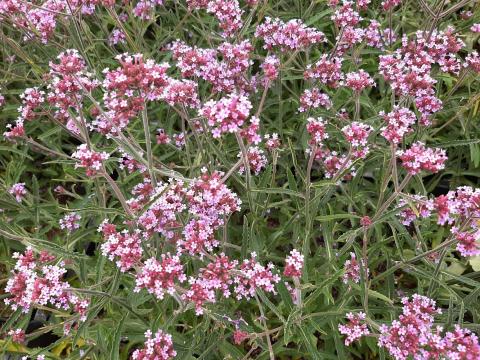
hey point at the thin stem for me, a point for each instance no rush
(308, 183)
(387, 203)
(246, 166)
(264, 323)
(148, 144)
(298, 291)
(357, 106)
(117, 192)
(394, 166)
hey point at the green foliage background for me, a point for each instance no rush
(278, 220)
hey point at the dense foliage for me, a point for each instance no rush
(240, 179)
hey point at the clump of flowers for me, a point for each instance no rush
(317, 130)
(124, 247)
(418, 158)
(91, 160)
(254, 276)
(256, 160)
(35, 281)
(352, 270)
(292, 35)
(226, 115)
(355, 328)
(18, 190)
(357, 135)
(158, 347)
(312, 99)
(159, 277)
(399, 123)
(70, 222)
(326, 70)
(294, 264)
(359, 80)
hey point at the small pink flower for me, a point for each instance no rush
(399, 123)
(227, 114)
(159, 277)
(418, 158)
(256, 160)
(292, 35)
(352, 270)
(294, 264)
(473, 61)
(317, 130)
(327, 71)
(70, 222)
(18, 190)
(270, 67)
(91, 160)
(254, 275)
(240, 336)
(475, 28)
(123, 247)
(468, 243)
(158, 347)
(355, 328)
(18, 335)
(312, 99)
(357, 135)
(359, 80)
(345, 15)
(117, 36)
(389, 4)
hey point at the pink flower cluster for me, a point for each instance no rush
(355, 328)
(418, 158)
(124, 247)
(159, 277)
(70, 222)
(346, 16)
(473, 61)
(203, 205)
(35, 282)
(270, 67)
(218, 275)
(352, 270)
(419, 206)
(292, 35)
(18, 190)
(128, 87)
(313, 99)
(254, 276)
(294, 264)
(457, 207)
(326, 70)
(91, 160)
(357, 81)
(390, 4)
(117, 36)
(399, 123)
(32, 99)
(69, 80)
(408, 70)
(317, 130)
(227, 114)
(158, 347)
(228, 75)
(228, 14)
(412, 335)
(18, 335)
(256, 160)
(357, 135)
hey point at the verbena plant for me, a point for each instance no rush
(215, 179)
